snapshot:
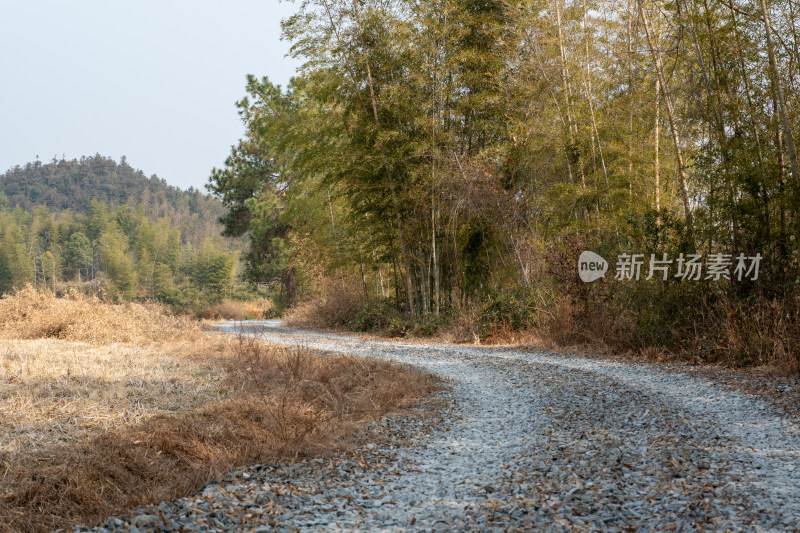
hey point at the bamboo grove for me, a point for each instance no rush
(449, 152)
(101, 227)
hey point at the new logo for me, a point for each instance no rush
(591, 266)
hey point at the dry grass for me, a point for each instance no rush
(93, 429)
(29, 314)
(237, 310)
(334, 307)
(73, 366)
(463, 327)
(53, 390)
(762, 333)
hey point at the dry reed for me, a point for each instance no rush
(336, 304)
(237, 310)
(29, 314)
(96, 429)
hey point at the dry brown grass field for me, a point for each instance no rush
(105, 407)
(236, 310)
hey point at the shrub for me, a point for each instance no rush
(430, 324)
(379, 315)
(335, 307)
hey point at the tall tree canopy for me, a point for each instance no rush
(437, 149)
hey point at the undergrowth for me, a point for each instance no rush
(699, 322)
(29, 314)
(267, 403)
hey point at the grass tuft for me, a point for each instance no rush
(96, 425)
(30, 314)
(237, 310)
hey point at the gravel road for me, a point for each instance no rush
(528, 440)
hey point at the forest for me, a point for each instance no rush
(443, 164)
(98, 226)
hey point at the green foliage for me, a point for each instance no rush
(211, 272)
(513, 310)
(428, 325)
(6, 276)
(252, 190)
(459, 155)
(78, 253)
(77, 184)
(379, 315)
(117, 264)
(164, 246)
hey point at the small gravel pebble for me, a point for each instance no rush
(521, 441)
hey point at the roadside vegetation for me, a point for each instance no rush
(104, 228)
(109, 406)
(690, 327)
(448, 161)
(245, 309)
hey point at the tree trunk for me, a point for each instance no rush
(751, 115)
(375, 271)
(630, 101)
(672, 124)
(561, 112)
(435, 258)
(657, 149)
(423, 281)
(781, 178)
(363, 273)
(778, 91)
(398, 218)
(522, 268)
(590, 99)
(573, 127)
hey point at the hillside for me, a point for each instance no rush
(104, 227)
(74, 184)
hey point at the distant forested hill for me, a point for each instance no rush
(98, 225)
(74, 184)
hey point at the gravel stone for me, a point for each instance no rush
(522, 441)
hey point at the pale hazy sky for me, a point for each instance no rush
(154, 80)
